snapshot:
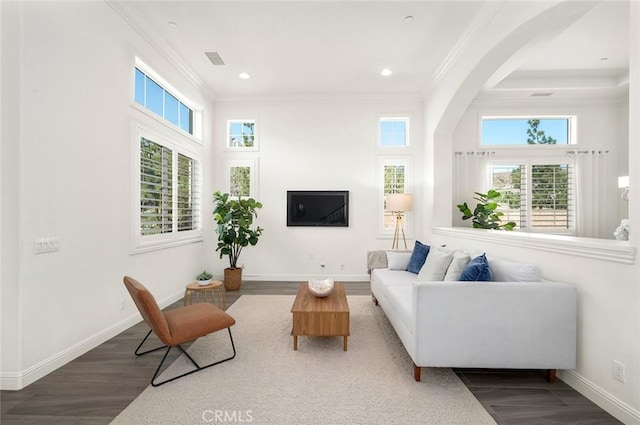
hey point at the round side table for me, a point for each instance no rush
(194, 292)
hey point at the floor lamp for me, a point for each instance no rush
(398, 204)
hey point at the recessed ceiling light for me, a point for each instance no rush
(244, 75)
(408, 18)
(172, 24)
(604, 59)
(386, 72)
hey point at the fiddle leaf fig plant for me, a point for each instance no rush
(484, 215)
(234, 219)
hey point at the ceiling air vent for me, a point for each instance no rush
(215, 58)
(545, 94)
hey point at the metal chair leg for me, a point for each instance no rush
(148, 351)
(198, 367)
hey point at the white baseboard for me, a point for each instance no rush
(304, 277)
(608, 402)
(19, 380)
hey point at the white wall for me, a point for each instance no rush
(69, 84)
(601, 125)
(9, 287)
(608, 291)
(314, 144)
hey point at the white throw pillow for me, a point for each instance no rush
(460, 259)
(513, 271)
(398, 260)
(435, 266)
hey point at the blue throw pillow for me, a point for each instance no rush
(476, 270)
(418, 257)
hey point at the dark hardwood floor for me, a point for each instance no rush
(94, 388)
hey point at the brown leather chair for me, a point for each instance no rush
(177, 326)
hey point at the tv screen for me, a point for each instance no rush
(318, 208)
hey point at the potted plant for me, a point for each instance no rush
(485, 216)
(235, 229)
(204, 278)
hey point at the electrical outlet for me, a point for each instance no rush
(122, 304)
(341, 266)
(618, 371)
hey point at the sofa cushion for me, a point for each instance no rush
(513, 271)
(398, 260)
(418, 257)
(459, 261)
(393, 277)
(436, 265)
(476, 270)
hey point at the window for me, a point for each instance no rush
(393, 132)
(152, 96)
(241, 178)
(241, 134)
(395, 177)
(519, 131)
(167, 165)
(169, 205)
(537, 196)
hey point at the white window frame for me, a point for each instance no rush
(254, 148)
(195, 108)
(178, 144)
(253, 175)
(572, 139)
(394, 118)
(382, 162)
(529, 163)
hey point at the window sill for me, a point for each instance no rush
(157, 245)
(599, 249)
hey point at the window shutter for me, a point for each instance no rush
(394, 179)
(551, 196)
(240, 181)
(394, 182)
(156, 188)
(539, 196)
(188, 194)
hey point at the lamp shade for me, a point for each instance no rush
(399, 202)
(623, 182)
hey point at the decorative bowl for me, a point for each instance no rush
(204, 282)
(321, 287)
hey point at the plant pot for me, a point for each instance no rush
(232, 278)
(204, 282)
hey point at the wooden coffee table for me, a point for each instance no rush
(313, 316)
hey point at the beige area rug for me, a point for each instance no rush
(269, 383)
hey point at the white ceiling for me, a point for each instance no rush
(340, 47)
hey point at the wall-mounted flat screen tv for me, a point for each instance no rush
(318, 208)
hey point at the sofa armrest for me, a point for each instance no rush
(495, 324)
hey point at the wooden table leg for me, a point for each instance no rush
(186, 297)
(345, 343)
(295, 342)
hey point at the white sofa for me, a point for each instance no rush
(510, 325)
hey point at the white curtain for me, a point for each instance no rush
(472, 174)
(591, 173)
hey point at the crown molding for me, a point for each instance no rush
(126, 10)
(367, 98)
